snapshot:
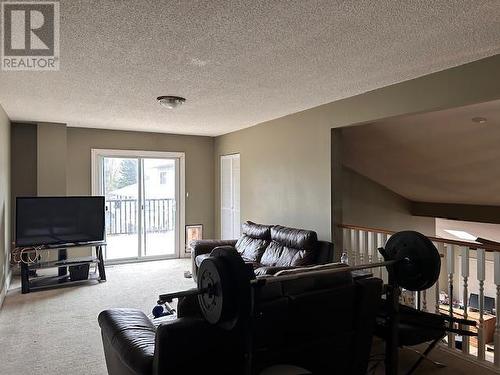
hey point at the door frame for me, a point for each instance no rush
(222, 158)
(96, 169)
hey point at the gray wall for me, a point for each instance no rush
(23, 164)
(5, 215)
(51, 159)
(57, 161)
(199, 166)
(368, 204)
(286, 163)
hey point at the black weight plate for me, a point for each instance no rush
(241, 274)
(214, 280)
(419, 263)
(225, 251)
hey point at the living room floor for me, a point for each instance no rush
(56, 332)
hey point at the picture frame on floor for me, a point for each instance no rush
(193, 232)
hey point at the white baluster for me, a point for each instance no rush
(424, 300)
(481, 276)
(361, 242)
(354, 245)
(496, 259)
(378, 255)
(385, 275)
(465, 275)
(347, 243)
(450, 267)
(358, 255)
(366, 248)
(440, 248)
(371, 246)
(359, 259)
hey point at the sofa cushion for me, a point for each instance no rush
(253, 241)
(277, 255)
(254, 230)
(294, 238)
(290, 247)
(254, 265)
(271, 254)
(291, 257)
(251, 249)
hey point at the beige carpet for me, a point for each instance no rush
(454, 364)
(55, 332)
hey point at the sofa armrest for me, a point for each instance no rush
(199, 247)
(128, 338)
(325, 252)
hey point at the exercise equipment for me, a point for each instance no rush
(161, 310)
(226, 285)
(225, 282)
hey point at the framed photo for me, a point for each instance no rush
(193, 232)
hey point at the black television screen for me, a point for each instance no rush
(489, 303)
(59, 220)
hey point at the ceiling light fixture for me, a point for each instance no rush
(171, 102)
(479, 120)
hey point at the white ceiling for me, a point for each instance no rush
(440, 157)
(239, 62)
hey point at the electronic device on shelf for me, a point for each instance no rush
(489, 303)
(56, 221)
(78, 267)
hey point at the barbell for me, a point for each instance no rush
(226, 284)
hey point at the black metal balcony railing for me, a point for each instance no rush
(122, 215)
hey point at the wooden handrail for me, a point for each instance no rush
(470, 245)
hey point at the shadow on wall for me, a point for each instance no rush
(3, 242)
(368, 204)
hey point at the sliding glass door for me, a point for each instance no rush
(160, 207)
(120, 187)
(143, 203)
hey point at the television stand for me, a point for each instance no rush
(30, 283)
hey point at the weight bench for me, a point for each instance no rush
(417, 327)
(286, 318)
(323, 324)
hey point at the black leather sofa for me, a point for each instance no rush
(269, 248)
(324, 324)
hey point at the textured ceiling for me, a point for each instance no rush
(439, 157)
(239, 62)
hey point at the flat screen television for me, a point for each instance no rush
(489, 303)
(50, 221)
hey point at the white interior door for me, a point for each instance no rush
(230, 196)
